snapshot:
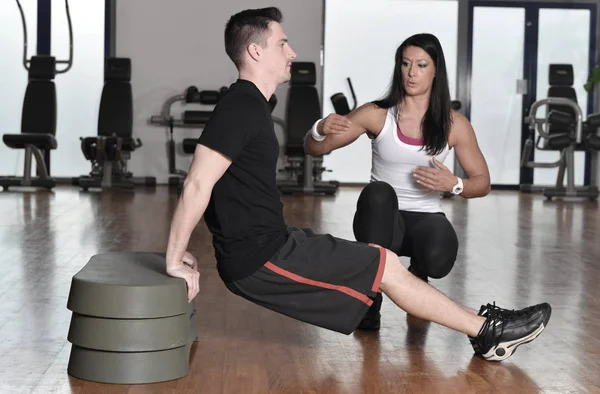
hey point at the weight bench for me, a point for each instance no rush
(302, 111)
(131, 321)
(38, 125)
(563, 130)
(110, 150)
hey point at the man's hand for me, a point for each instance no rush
(439, 179)
(334, 124)
(187, 269)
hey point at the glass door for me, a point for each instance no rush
(510, 47)
(563, 38)
(497, 62)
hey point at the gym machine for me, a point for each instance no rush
(38, 120)
(564, 130)
(303, 109)
(110, 150)
(188, 119)
(340, 103)
(576, 135)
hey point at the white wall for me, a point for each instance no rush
(78, 90)
(177, 44)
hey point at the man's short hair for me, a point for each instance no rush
(246, 27)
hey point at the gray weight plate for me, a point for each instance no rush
(129, 368)
(130, 335)
(127, 285)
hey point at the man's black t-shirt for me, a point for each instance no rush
(245, 213)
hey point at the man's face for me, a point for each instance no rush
(278, 54)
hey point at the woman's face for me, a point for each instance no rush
(418, 71)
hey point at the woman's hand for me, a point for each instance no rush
(439, 179)
(334, 124)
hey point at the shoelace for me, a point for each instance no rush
(496, 317)
(507, 314)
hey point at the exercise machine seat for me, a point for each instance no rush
(592, 139)
(38, 121)
(110, 149)
(301, 112)
(560, 79)
(115, 118)
(560, 134)
(302, 107)
(131, 322)
(40, 141)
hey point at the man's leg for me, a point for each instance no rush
(424, 301)
(495, 335)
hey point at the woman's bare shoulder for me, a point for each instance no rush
(370, 116)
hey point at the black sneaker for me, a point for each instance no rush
(372, 319)
(483, 311)
(505, 330)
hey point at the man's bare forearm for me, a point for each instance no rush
(190, 208)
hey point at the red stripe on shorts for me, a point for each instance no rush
(379, 276)
(300, 279)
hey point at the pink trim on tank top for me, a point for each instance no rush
(408, 140)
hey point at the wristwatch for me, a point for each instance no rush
(458, 188)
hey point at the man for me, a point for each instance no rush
(318, 279)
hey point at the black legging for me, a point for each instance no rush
(427, 238)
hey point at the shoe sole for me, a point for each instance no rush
(506, 349)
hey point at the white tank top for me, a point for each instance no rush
(394, 158)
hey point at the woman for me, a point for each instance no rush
(412, 129)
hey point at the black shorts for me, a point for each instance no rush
(318, 279)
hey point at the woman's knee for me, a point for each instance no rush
(438, 261)
(378, 194)
(435, 246)
(376, 218)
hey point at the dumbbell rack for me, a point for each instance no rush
(188, 119)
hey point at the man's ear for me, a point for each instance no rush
(255, 51)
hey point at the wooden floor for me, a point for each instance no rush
(514, 249)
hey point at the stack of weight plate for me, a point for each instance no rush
(131, 321)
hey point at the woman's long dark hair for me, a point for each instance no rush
(436, 122)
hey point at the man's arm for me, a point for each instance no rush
(340, 131)
(207, 167)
